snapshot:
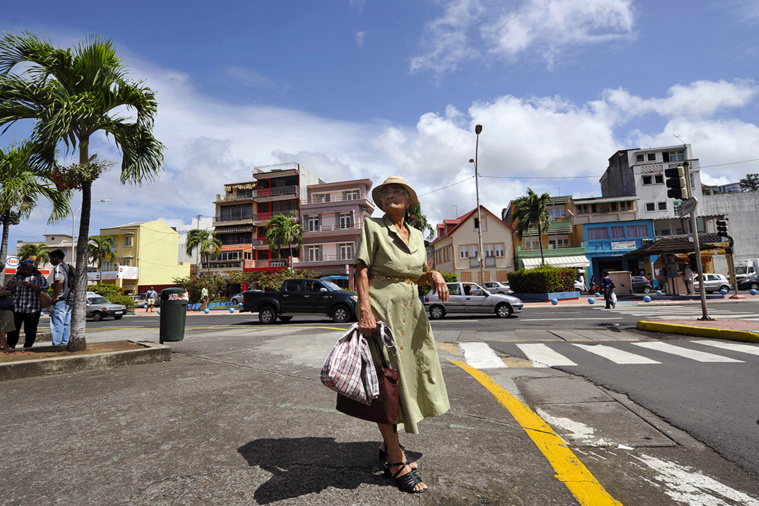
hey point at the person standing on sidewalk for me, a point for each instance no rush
(390, 264)
(608, 286)
(6, 315)
(26, 287)
(150, 296)
(688, 279)
(204, 299)
(63, 298)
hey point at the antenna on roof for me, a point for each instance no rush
(679, 139)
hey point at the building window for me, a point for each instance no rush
(617, 232)
(490, 250)
(637, 231)
(314, 253)
(652, 157)
(662, 206)
(463, 251)
(127, 241)
(557, 213)
(659, 179)
(314, 223)
(321, 198)
(350, 195)
(639, 157)
(345, 220)
(499, 250)
(345, 251)
(598, 234)
(648, 180)
(484, 224)
(559, 242)
(126, 262)
(248, 255)
(650, 206)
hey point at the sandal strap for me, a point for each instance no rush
(409, 480)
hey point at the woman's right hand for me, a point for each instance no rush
(367, 324)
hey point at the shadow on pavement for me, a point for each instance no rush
(302, 466)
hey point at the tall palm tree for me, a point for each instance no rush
(71, 94)
(530, 213)
(284, 231)
(206, 242)
(99, 247)
(36, 252)
(21, 186)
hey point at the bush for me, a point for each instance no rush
(448, 277)
(114, 294)
(543, 279)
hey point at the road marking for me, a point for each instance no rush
(615, 355)
(698, 356)
(564, 319)
(543, 356)
(481, 356)
(743, 348)
(569, 469)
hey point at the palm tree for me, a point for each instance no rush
(530, 212)
(284, 231)
(99, 247)
(36, 252)
(71, 94)
(21, 185)
(206, 242)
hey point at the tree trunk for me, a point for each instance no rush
(540, 242)
(77, 340)
(6, 230)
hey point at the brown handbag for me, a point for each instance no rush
(383, 409)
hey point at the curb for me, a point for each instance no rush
(148, 354)
(671, 328)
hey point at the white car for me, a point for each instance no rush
(467, 297)
(498, 287)
(713, 283)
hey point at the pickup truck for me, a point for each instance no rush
(302, 296)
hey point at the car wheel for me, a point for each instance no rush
(437, 312)
(646, 289)
(117, 317)
(754, 286)
(724, 287)
(503, 310)
(97, 316)
(341, 314)
(267, 315)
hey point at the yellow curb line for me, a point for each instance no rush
(569, 470)
(671, 328)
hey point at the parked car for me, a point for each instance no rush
(98, 308)
(751, 282)
(470, 298)
(139, 300)
(713, 283)
(237, 299)
(302, 296)
(641, 284)
(497, 287)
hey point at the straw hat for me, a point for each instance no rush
(412, 198)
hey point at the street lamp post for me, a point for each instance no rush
(73, 229)
(477, 130)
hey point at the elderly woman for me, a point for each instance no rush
(390, 263)
(26, 286)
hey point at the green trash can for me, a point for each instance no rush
(173, 315)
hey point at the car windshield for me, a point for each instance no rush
(98, 300)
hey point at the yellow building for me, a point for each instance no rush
(147, 254)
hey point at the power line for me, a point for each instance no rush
(730, 163)
(444, 187)
(540, 177)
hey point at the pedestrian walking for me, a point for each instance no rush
(151, 296)
(608, 287)
(688, 279)
(26, 286)
(204, 298)
(63, 298)
(390, 263)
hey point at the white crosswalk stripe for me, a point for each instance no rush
(543, 356)
(751, 349)
(481, 356)
(615, 355)
(698, 356)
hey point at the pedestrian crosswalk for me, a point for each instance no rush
(680, 312)
(564, 354)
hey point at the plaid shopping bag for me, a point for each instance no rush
(349, 369)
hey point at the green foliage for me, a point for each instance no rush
(284, 231)
(100, 247)
(418, 220)
(543, 279)
(749, 183)
(260, 280)
(206, 242)
(114, 294)
(39, 252)
(448, 277)
(530, 212)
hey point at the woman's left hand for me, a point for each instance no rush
(438, 284)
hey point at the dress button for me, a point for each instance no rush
(403, 334)
(405, 305)
(404, 320)
(401, 348)
(409, 268)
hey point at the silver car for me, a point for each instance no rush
(98, 308)
(471, 298)
(713, 283)
(497, 287)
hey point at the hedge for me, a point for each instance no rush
(543, 279)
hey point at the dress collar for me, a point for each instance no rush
(412, 245)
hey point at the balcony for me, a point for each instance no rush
(224, 219)
(280, 191)
(332, 229)
(263, 218)
(249, 195)
(249, 265)
(320, 259)
(320, 199)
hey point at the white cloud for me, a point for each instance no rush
(249, 77)
(360, 5)
(360, 37)
(546, 28)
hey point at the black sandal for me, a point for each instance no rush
(408, 481)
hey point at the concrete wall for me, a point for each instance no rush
(742, 210)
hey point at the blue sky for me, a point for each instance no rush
(369, 88)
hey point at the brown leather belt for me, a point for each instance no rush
(397, 279)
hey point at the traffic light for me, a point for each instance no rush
(692, 261)
(723, 228)
(678, 188)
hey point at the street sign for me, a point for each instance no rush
(688, 206)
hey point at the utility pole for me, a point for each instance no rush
(480, 258)
(696, 246)
(197, 251)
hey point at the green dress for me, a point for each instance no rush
(396, 302)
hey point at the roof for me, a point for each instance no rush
(673, 245)
(461, 219)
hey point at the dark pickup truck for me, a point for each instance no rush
(302, 296)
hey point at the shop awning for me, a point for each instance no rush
(571, 261)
